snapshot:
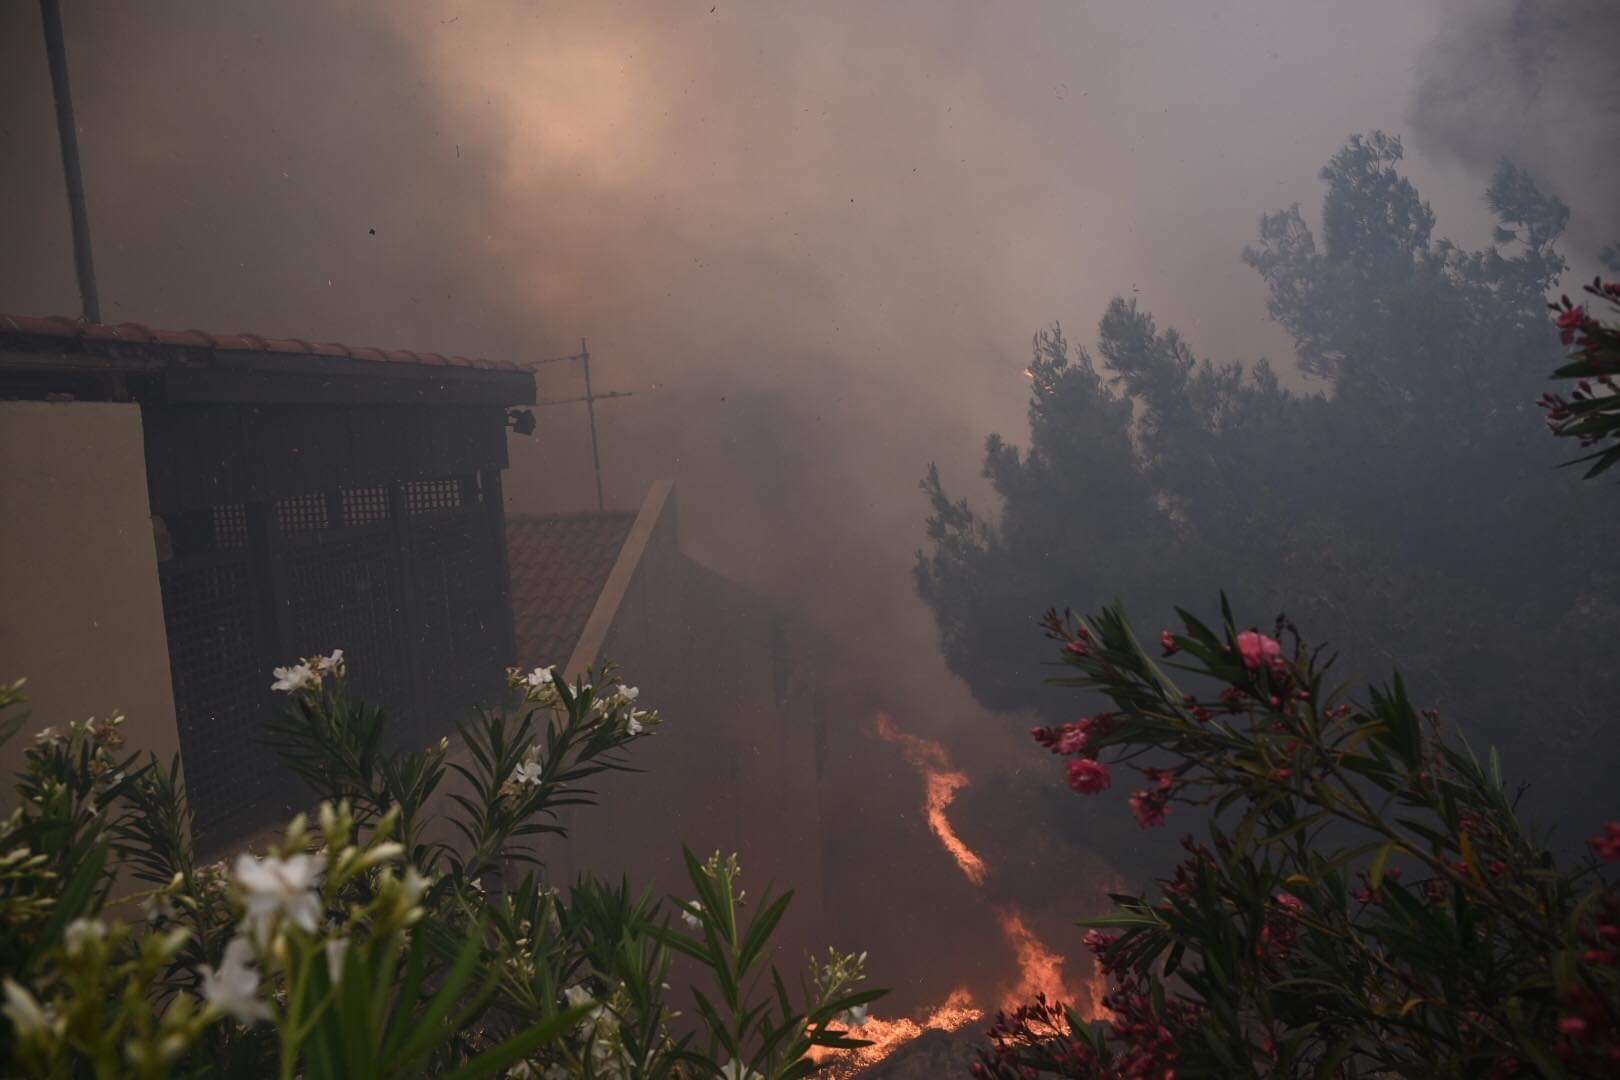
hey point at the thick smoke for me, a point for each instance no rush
(1535, 83)
(813, 238)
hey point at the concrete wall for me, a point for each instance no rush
(81, 614)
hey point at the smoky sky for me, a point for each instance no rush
(813, 238)
(1536, 83)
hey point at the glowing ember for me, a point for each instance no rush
(942, 784)
(887, 1036)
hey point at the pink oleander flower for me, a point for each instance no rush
(1607, 843)
(1064, 739)
(1075, 737)
(1072, 738)
(1257, 649)
(1167, 641)
(1088, 777)
(1162, 779)
(1149, 807)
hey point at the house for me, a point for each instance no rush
(246, 501)
(184, 511)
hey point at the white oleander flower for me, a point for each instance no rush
(159, 905)
(528, 772)
(233, 987)
(414, 884)
(50, 736)
(736, 1070)
(280, 887)
(693, 918)
(336, 950)
(80, 932)
(27, 1015)
(327, 665)
(290, 680)
(539, 677)
(106, 731)
(854, 1017)
(628, 694)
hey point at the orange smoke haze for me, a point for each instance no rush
(813, 238)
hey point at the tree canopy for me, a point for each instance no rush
(1406, 497)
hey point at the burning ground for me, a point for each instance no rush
(1000, 950)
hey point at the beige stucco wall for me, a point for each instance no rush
(81, 615)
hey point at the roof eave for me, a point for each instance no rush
(170, 375)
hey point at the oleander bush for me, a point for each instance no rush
(405, 928)
(1590, 412)
(1365, 899)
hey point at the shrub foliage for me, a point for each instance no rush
(1366, 901)
(406, 929)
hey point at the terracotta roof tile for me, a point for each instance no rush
(559, 564)
(194, 338)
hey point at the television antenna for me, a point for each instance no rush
(589, 399)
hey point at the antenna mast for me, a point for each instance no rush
(590, 399)
(67, 133)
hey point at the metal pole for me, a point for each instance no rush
(68, 134)
(590, 409)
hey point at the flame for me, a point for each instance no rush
(1040, 969)
(887, 1036)
(942, 783)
